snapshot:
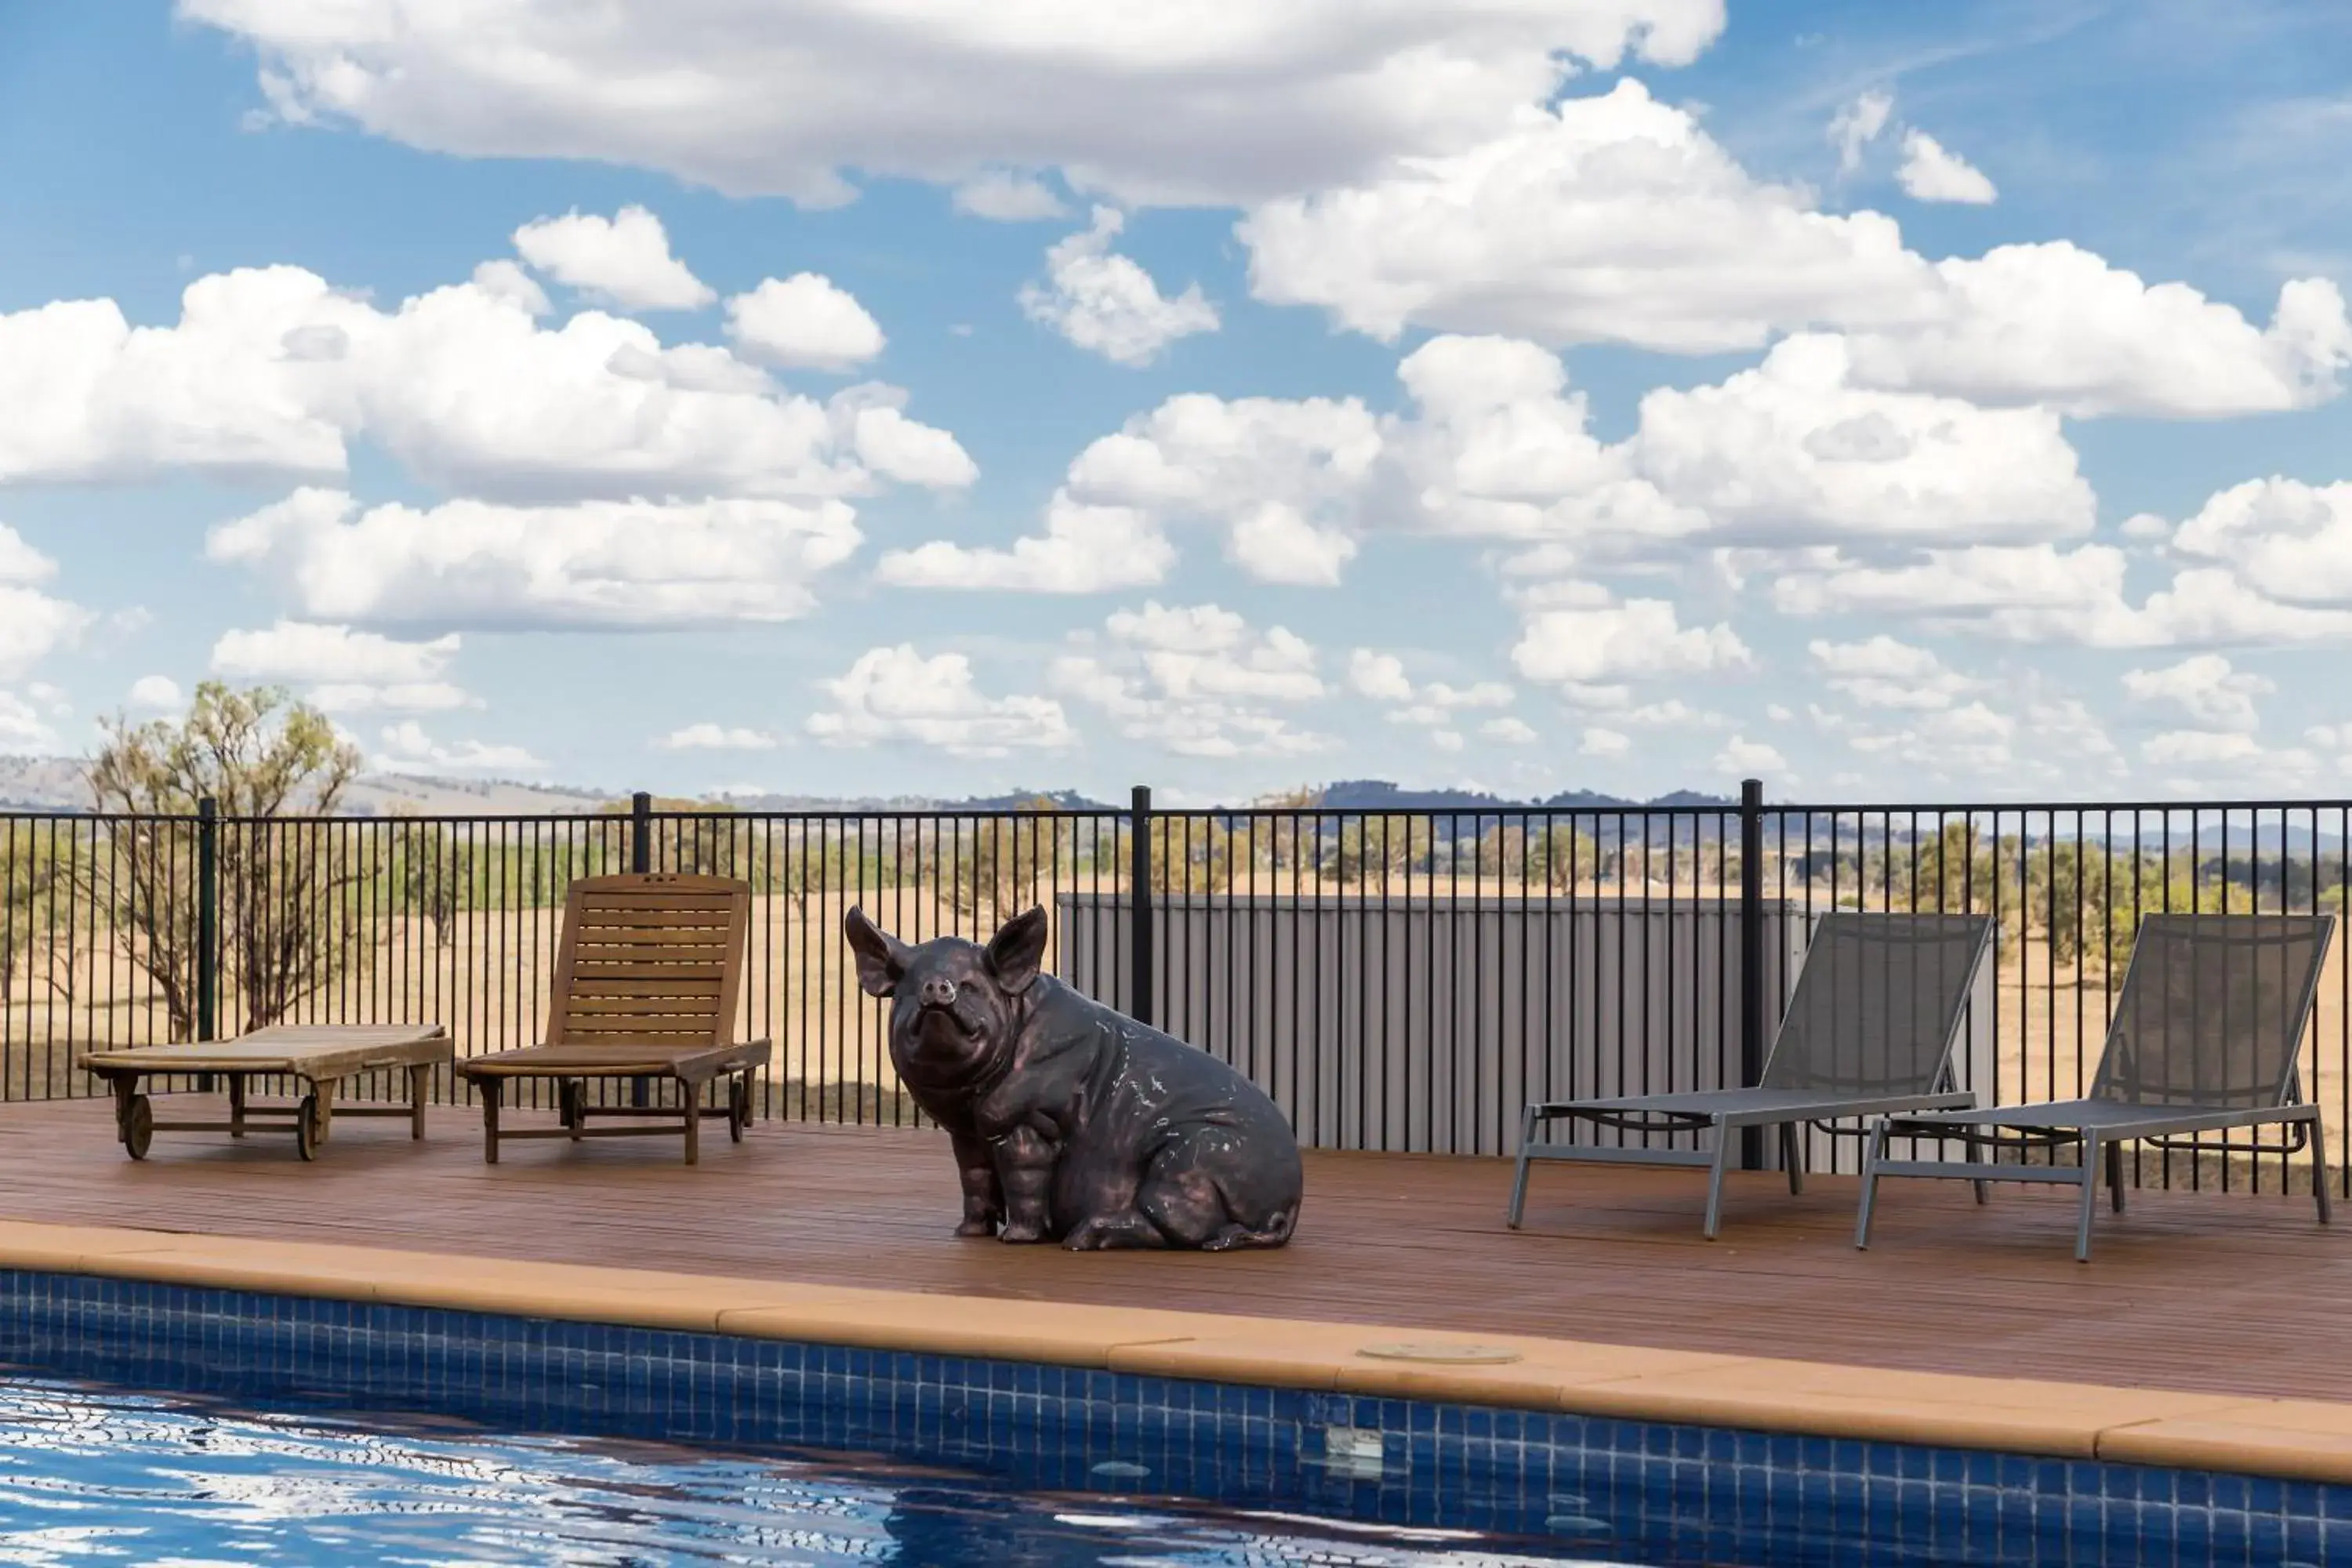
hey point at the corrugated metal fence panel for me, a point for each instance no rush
(1425, 1025)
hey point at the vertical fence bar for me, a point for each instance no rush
(641, 860)
(1751, 957)
(1139, 907)
(208, 918)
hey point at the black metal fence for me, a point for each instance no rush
(1398, 980)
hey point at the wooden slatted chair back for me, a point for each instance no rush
(650, 959)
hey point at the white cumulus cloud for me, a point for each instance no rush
(1930, 172)
(1282, 480)
(1741, 757)
(2041, 593)
(805, 321)
(272, 372)
(1857, 124)
(709, 737)
(1510, 731)
(1198, 681)
(1107, 303)
(1597, 742)
(1379, 675)
(1002, 197)
(1598, 643)
(1189, 100)
(2056, 325)
(2287, 538)
(1615, 218)
(623, 261)
(1084, 549)
(406, 747)
(306, 650)
(341, 669)
(2204, 687)
(1792, 450)
(1884, 672)
(33, 624)
(898, 695)
(596, 563)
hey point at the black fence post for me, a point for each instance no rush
(1138, 907)
(641, 860)
(1751, 957)
(207, 921)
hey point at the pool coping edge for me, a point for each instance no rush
(2277, 1436)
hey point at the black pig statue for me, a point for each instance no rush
(1073, 1122)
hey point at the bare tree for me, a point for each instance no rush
(1193, 855)
(1278, 833)
(1380, 849)
(37, 867)
(291, 920)
(996, 866)
(1561, 855)
(432, 870)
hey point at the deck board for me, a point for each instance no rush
(2230, 1293)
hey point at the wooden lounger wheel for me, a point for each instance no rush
(739, 1105)
(310, 1126)
(571, 1104)
(138, 1126)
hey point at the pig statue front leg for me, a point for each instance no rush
(1025, 1169)
(983, 1197)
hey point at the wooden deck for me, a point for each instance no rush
(2231, 1293)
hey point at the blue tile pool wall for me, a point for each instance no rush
(1682, 1493)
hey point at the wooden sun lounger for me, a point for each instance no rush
(319, 1054)
(646, 985)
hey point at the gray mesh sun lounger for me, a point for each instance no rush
(1868, 1033)
(2204, 1039)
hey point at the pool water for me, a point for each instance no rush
(91, 1475)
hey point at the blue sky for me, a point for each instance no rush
(1627, 394)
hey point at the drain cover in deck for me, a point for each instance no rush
(1450, 1355)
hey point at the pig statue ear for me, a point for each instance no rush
(1014, 951)
(881, 957)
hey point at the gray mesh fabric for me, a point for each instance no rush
(1876, 1004)
(2212, 1010)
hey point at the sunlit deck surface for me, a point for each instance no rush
(2231, 1292)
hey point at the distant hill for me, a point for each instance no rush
(1379, 795)
(1063, 800)
(55, 784)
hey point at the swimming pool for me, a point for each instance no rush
(658, 1446)
(93, 1472)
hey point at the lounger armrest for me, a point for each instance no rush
(463, 1065)
(1928, 1124)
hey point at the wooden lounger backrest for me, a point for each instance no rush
(650, 959)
